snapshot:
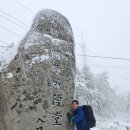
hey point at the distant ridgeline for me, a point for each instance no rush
(37, 87)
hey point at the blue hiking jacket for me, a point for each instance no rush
(79, 118)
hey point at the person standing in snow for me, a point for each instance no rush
(78, 116)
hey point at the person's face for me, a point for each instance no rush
(74, 105)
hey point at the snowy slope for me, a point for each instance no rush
(113, 124)
(7, 56)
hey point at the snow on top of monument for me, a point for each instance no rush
(51, 24)
(53, 17)
(54, 24)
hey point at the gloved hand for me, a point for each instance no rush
(69, 115)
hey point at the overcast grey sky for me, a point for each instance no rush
(101, 26)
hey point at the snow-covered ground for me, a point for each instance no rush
(113, 124)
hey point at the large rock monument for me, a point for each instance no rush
(37, 87)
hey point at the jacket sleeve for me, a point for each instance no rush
(77, 118)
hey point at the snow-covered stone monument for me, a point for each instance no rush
(39, 81)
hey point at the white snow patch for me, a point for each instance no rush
(39, 59)
(8, 56)
(9, 75)
(35, 36)
(44, 57)
(47, 50)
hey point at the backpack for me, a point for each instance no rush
(91, 121)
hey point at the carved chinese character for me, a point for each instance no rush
(56, 83)
(40, 120)
(57, 100)
(56, 63)
(56, 55)
(39, 128)
(57, 117)
(56, 69)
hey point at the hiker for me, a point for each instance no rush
(78, 116)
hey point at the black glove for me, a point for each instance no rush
(69, 115)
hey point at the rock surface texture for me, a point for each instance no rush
(37, 88)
